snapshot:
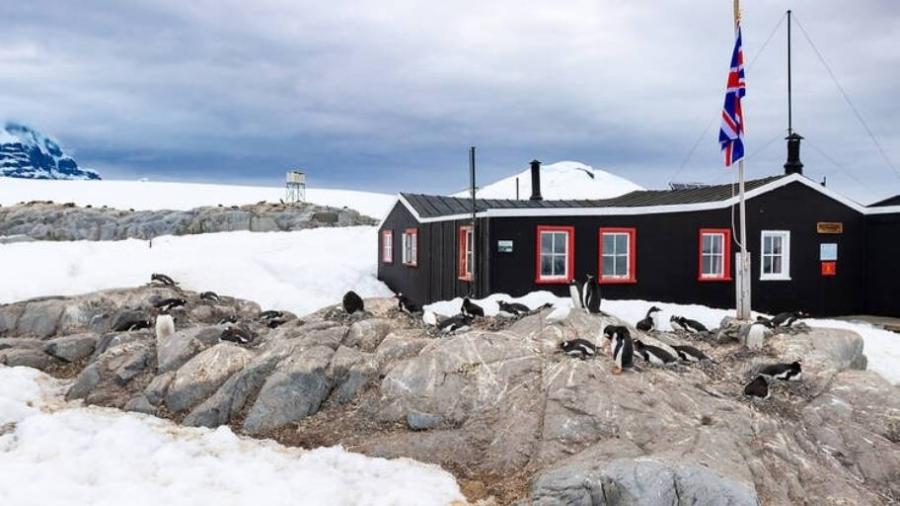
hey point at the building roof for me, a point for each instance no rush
(890, 201)
(437, 206)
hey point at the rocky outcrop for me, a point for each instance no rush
(499, 405)
(48, 221)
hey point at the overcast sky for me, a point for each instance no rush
(387, 95)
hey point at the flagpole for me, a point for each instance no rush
(743, 284)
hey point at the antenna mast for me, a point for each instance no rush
(790, 112)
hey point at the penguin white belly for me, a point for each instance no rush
(653, 359)
(559, 314)
(576, 297)
(165, 327)
(756, 337)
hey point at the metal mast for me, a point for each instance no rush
(743, 284)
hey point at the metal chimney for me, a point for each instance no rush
(793, 165)
(536, 180)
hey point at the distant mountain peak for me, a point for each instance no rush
(560, 180)
(29, 154)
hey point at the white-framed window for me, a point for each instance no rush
(775, 260)
(715, 254)
(617, 255)
(410, 247)
(466, 253)
(555, 254)
(387, 246)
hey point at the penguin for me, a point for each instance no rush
(675, 323)
(767, 322)
(132, 324)
(456, 323)
(575, 294)
(352, 302)
(692, 326)
(228, 319)
(558, 314)
(579, 348)
(268, 315)
(758, 388)
(756, 334)
(406, 305)
(236, 335)
(429, 318)
(689, 353)
(165, 327)
(591, 294)
(787, 372)
(162, 279)
(210, 296)
(650, 322)
(653, 354)
(513, 308)
(167, 305)
(471, 309)
(622, 347)
(787, 319)
(275, 322)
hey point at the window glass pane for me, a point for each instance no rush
(609, 243)
(717, 244)
(621, 265)
(767, 244)
(707, 264)
(546, 242)
(776, 265)
(559, 245)
(767, 264)
(559, 265)
(621, 243)
(546, 265)
(609, 266)
(707, 244)
(776, 245)
(717, 265)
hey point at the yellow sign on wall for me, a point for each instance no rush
(830, 227)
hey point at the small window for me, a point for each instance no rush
(387, 246)
(617, 255)
(466, 253)
(715, 254)
(555, 254)
(775, 260)
(410, 247)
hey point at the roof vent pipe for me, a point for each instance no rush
(536, 180)
(793, 165)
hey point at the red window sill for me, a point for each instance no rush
(708, 279)
(553, 281)
(618, 281)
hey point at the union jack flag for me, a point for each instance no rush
(731, 133)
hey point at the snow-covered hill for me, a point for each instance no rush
(560, 180)
(27, 153)
(146, 195)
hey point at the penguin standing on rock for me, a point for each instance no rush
(579, 348)
(352, 302)
(165, 327)
(650, 322)
(471, 309)
(575, 294)
(622, 347)
(757, 333)
(406, 305)
(786, 372)
(591, 293)
(758, 388)
(653, 354)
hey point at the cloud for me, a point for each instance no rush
(389, 94)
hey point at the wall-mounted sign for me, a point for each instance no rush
(829, 268)
(830, 227)
(828, 251)
(504, 246)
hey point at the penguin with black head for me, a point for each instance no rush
(622, 347)
(471, 309)
(591, 293)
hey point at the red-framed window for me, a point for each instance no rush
(465, 253)
(387, 246)
(555, 254)
(714, 254)
(618, 255)
(411, 247)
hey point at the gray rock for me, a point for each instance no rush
(294, 391)
(40, 318)
(396, 347)
(26, 357)
(176, 350)
(72, 348)
(418, 420)
(367, 334)
(140, 404)
(85, 383)
(155, 392)
(204, 374)
(9, 317)
(20, 342)
(352, 371)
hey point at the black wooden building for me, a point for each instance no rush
(811, 248)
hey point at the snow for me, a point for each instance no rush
(881, 347)
(148, 195)
(296, 271)
(64, 454)
(560, 180)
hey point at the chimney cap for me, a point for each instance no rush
(794, 135)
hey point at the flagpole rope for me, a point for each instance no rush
(847, 99)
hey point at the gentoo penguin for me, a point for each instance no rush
(352, 302)
(472, 309)
(689, 353)
(579, 348)
(275, 322)
(788, 372)
(162, 279)
(675, 323)
(692, 326)
(513, 308)
(621, 346)
(429, 318)
(757, 333)
(456, 323)
(406, 305)
(236, 335)
(788, 318)
(758, 388)
(653, 354)
(651, 321)
(228, 319)
(575, 294)
(591, 291)
(210, 296)
(132, 324)
(165, 327)
(268, 315)
(167, 305)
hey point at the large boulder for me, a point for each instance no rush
(40, 318)
(367, 334)
(181, 346)
(26, 357)
(204, 374)
(72, 348)
(115, 375)
(352, 371)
